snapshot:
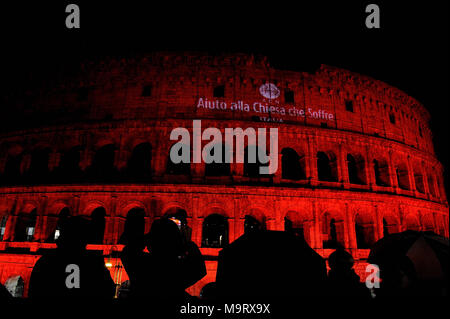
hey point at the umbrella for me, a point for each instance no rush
(270, 263)
(426, 252)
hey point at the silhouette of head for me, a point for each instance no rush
(134, 226)
(165, 238)
(74, 234)
(340, 259)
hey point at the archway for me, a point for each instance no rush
(297, 224)
(412, 223)
(222, 168)
(402, 176)
(292, 165)
(57, 226)
(69, 165)
(252, 163)
(364, 230)
(39, 170)
(16, 286)
(332, 231)
(102, 168)
(327, 167)
(418, 180)
(390, 224)
(381, 170)
(25, 226)
(356, 169)
(140, 163)
(215, 231)
(178, 168)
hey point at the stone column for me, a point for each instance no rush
(425, 182)
(343, 167)
(121, 156)
(198, 172)
(53, 161)
(311, 157)
(25, 164)
(39, 230)
(412, 181)
(196, 221)
(378, 231)
(317, 241)
(369, 170)
(238, 226)
(110, 236)
(278, 173)
(86, 158)
(350, 231)
(392, 173)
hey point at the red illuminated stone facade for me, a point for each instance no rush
(98, 137)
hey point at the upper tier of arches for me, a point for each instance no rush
(167, 85)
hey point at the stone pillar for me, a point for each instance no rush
(75, 205)
(426, 187)
(440, 186)
(25, 164)
(343, 169)
(412, 181)
(53, 161)
(278, 174)
(401, 214)
(198, 172)
(350, 231)
(369, 170)
(110, 236)
(311, 157)
(39, 229)
(86, 158)
(196, 221)
(378, 231)
(238, 226)
(392, 173)
(308, 228)
(121, 156)
(317, 241)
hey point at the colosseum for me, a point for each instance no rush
(355, 158)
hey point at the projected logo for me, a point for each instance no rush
(269, 91)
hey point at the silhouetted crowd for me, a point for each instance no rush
(163, 263)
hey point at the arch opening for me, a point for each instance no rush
(327, 167)
(215, 231)
(292, 165)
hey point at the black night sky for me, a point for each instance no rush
(410, 51)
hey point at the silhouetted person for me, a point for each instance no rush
(134, 226)
(342, 279)
(49, 277)
(269, 263)
(4, 294)
(168, 269)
